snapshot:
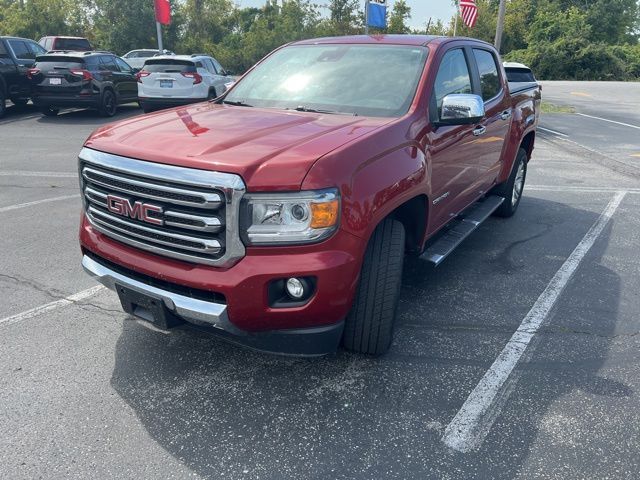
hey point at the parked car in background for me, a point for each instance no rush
(286, 229)
(76, 44)
(136, 58)
(99, 80)
(171, 80)
(17, 55)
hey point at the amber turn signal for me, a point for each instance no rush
(324, 214)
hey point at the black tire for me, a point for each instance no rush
(212, 94)
(512, 189)
(50, 111)
(3, 104)
(147, 109)
(19, 102)
(108, 104)
(369, 325)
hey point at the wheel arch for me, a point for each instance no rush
(527, 143)
(413, 214)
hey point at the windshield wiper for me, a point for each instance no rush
(238, 103)
(302, 108)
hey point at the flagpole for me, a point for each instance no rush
(455, 22)
(366, 17)
(159, 33)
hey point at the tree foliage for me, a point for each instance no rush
(596, 39)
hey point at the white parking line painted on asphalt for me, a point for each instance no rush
(26, 173)
(38, 202)
(34, 312)
(610, 121)
(552, 131)
(473, 421)
(577, 188)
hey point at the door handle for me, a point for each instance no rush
(479, 130)
(505, 115)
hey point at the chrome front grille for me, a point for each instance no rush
(177, 212)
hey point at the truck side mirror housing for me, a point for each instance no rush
(461, 109)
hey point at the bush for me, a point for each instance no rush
(577, 59)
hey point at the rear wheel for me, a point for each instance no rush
(108, 105)
(19, 102)
(3, 106)
(369, 325)
(512, 189)
(49, 111)
(212, 94)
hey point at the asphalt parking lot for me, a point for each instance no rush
(87, 392)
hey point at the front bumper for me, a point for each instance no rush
(212, 317)
(241, 311)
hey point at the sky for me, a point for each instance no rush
(421, 10)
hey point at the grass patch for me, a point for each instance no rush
(547, 107)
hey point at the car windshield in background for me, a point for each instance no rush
(372, 80)
(169, 66)
(519, 75)
(72, 44)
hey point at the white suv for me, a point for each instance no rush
(166, 81)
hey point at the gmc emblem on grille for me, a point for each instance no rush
(136, 210)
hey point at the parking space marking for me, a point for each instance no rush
(473, 421)
(26, 173)
(579, 189)
(38, 202)
(610, 121)
(552, 131)
(34, 312)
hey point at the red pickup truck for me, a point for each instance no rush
(278, 215)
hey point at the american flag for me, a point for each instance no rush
(469, 12)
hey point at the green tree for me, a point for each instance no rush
(37, 18)
(400, 13)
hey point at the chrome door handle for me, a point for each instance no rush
(505, 115)
(479, 130)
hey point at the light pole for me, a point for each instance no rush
(500, 26)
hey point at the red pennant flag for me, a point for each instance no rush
(163, 11)
(469, 12)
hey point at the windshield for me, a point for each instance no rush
(372, 80)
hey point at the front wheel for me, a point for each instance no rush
(512, 189)
(108, 105)
(369, 325)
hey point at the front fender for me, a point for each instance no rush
(374, 188)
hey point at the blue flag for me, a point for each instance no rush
(377, 14)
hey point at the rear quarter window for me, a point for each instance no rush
(168, 66)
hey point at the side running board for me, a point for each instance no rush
(468, 221)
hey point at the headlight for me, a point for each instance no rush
(301, 217)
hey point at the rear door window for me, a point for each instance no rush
(219, 68)
(488, 70)
(21, 50)
(209, 65)
(124, 66)
(169, 66)
(453, 76)
(108, 63)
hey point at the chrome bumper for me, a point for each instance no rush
(189, 309)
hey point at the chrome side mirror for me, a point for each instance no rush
(461, 109)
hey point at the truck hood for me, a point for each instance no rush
(271, 149)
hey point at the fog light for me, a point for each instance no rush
(295, 288)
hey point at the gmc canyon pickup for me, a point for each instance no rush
(279, 214)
